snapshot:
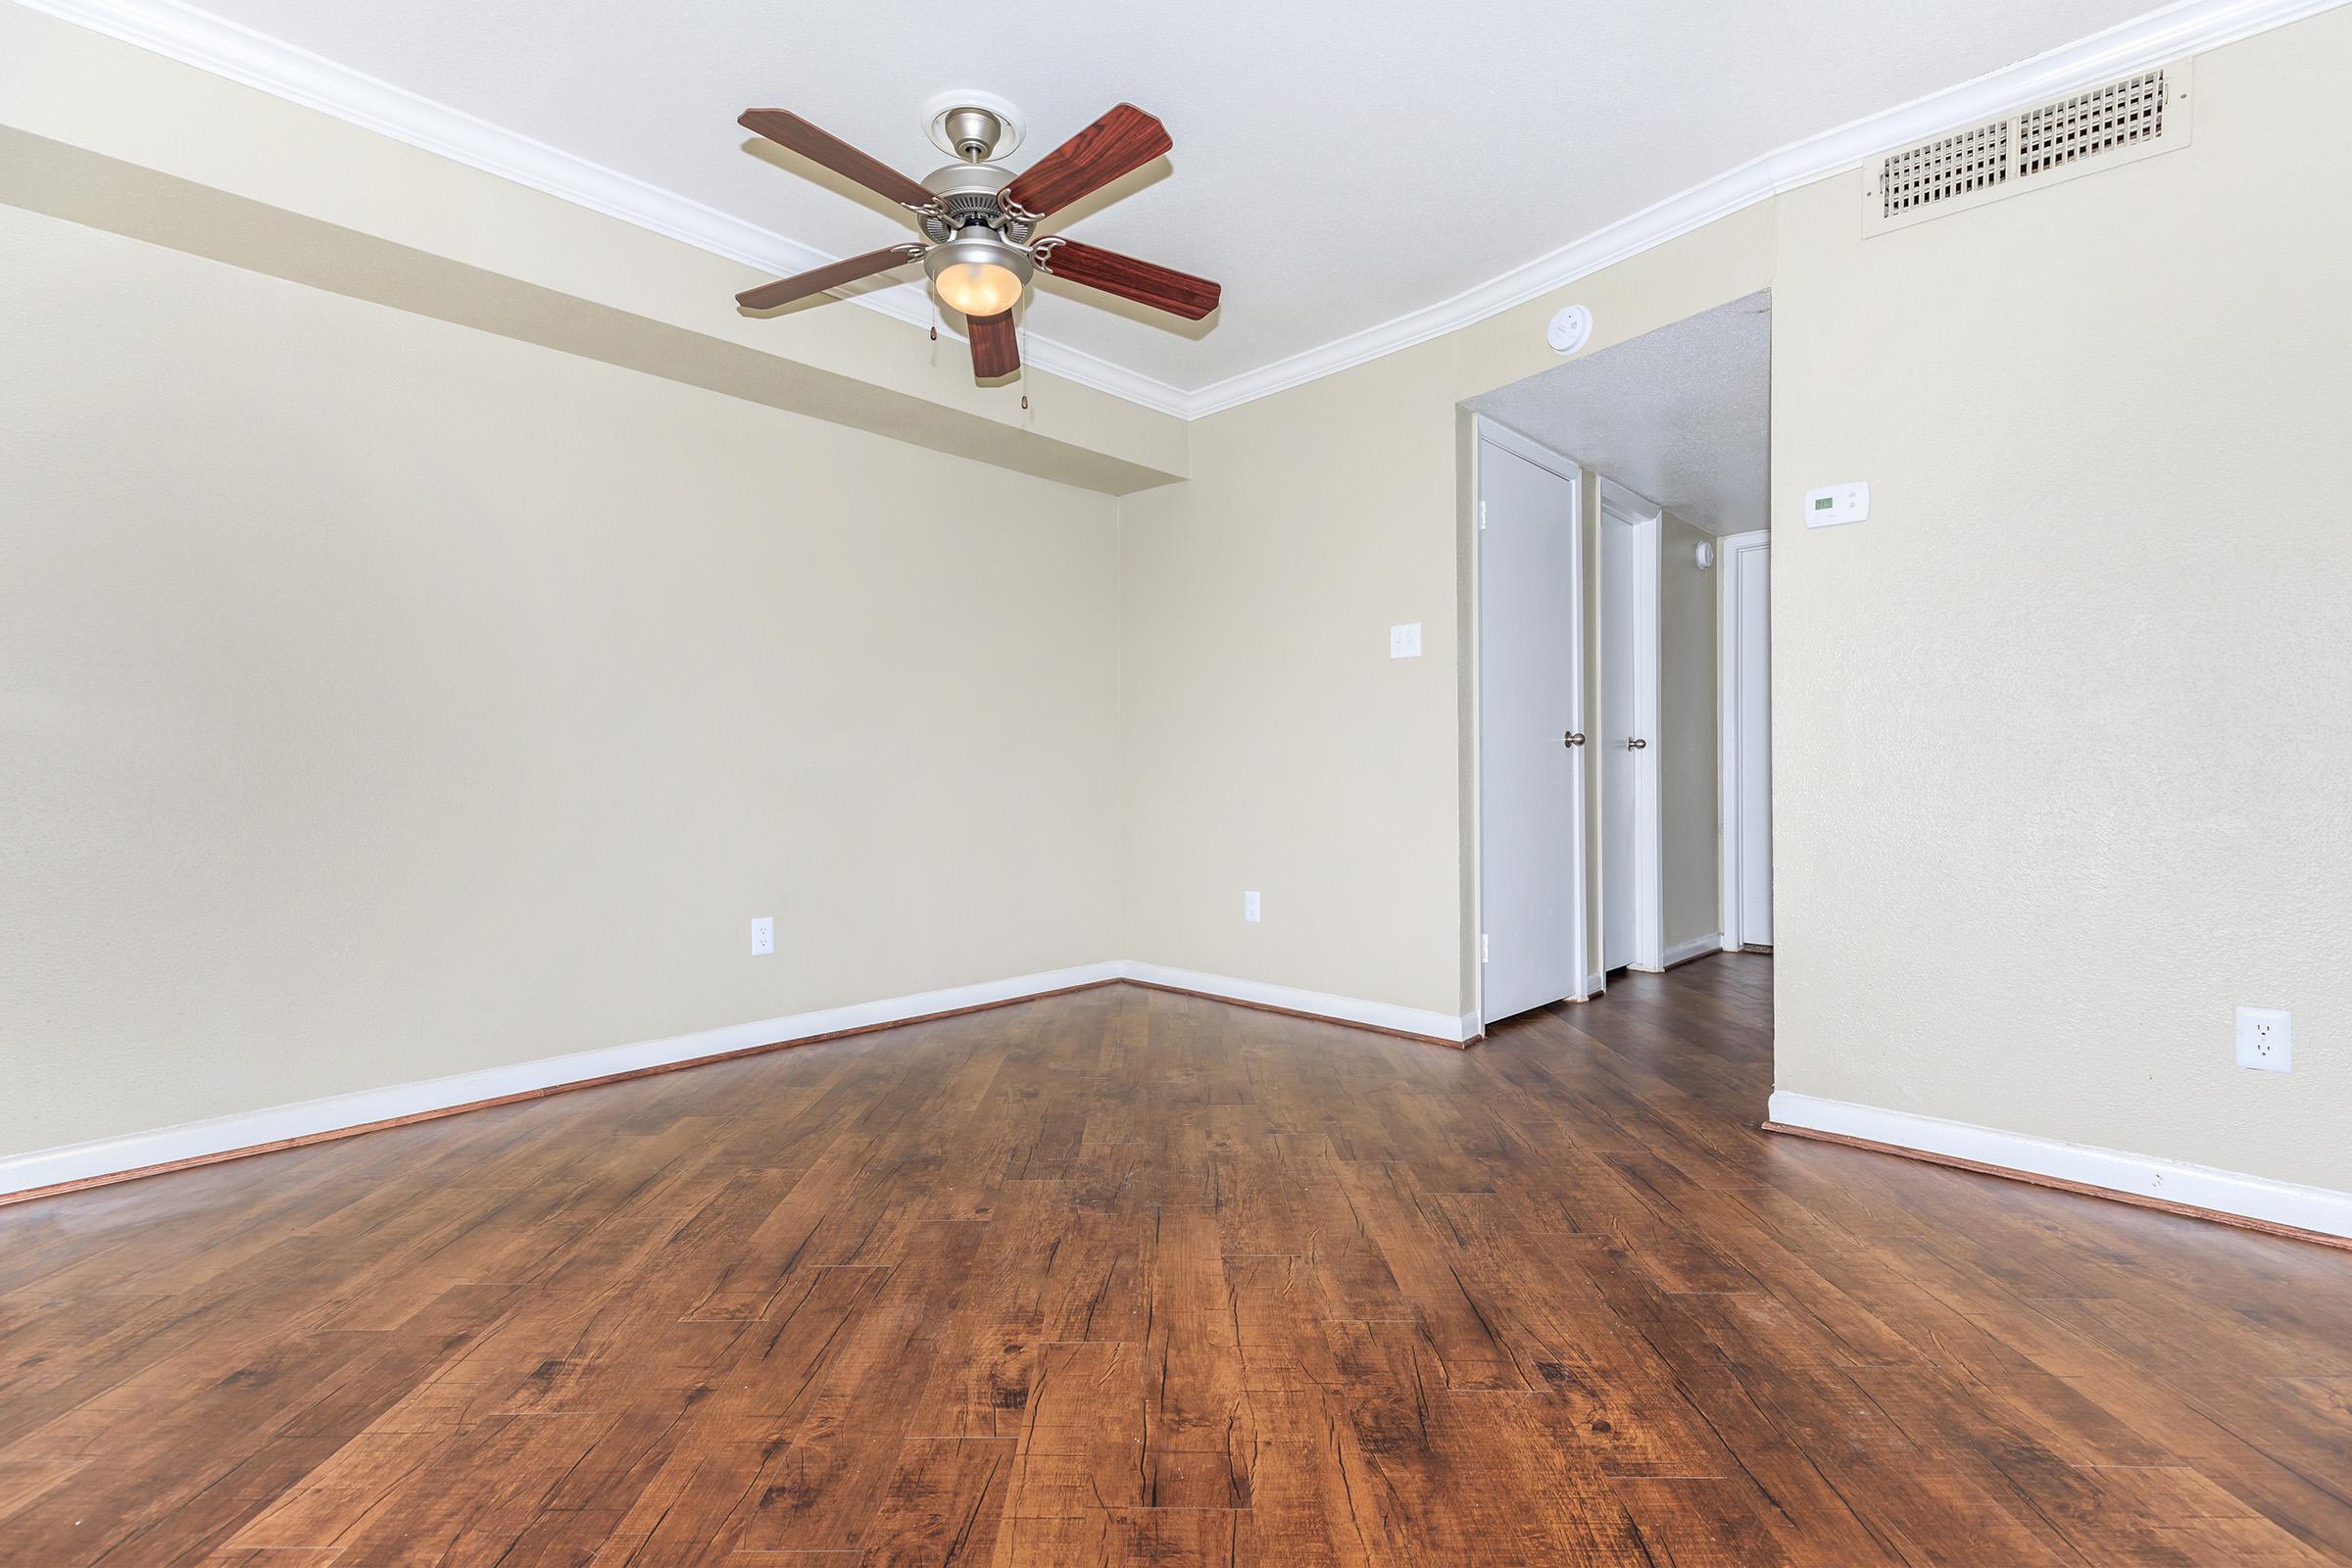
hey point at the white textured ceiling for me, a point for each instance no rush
(1334, 166)
(1681, 416)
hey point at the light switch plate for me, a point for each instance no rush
(1835, 503)
(1405, 642)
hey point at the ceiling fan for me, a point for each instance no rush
(978, 220)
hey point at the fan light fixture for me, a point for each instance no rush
(979, 272)
(979, 220)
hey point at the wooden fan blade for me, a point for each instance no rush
(784, 290)
(1164, 288)
(996, 347)
(1124, 139)
(788, 129)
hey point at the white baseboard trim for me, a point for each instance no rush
(1322, 1003)
(279, 1125)
(310, 1118)
(2141, 1176)
(1685, 951)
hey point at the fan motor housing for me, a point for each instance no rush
(967, 194)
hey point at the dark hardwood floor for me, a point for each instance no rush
(1130, 1277)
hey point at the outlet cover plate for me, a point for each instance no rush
(1405, 642)
(763, 936)
(2266, 1039)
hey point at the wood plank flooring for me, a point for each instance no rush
(1126, 1277)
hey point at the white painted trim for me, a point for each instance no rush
(194, 37)
(278, 1124)
(1649, 681)
(1681, 952)
(2175, 32)
(2311, 1208)
(1528, 447)
(1727, 725)
(1322, 1003)
(46, 1167)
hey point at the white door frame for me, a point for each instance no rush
(1488, 433)
(1728, 649)
(1622, 508)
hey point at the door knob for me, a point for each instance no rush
(1634, 744)
(1575, 737)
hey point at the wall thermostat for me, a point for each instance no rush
(1571, 330)
(1704, 554)
(1836, 504)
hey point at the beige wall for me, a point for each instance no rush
(2062, 737)
(1686, 742)
(2061, 749)
(384, 699)
(1271, 742)
(486, 691)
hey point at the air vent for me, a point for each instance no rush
(1957, 166)
(2099, 129)
(2115, 116)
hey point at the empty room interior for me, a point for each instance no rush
(1516, 786)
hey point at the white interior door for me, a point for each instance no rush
(1621, 737)
(1530, 703)
(1751, 584)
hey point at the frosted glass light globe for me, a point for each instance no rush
(978, 288)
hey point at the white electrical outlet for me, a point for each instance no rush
(1249, 908)
(2266, 1039)
(1405, 642)
(763, 936)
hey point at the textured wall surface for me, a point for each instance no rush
(385, 700)
(2061, 759)
(1689, 803)
(1271, 742)
(2062, 746)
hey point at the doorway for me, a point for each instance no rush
(1651, 845)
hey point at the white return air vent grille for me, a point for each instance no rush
(2099, 129)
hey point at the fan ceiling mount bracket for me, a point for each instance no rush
(955, 121)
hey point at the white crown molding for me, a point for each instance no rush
(2225, 1191)
(227, 49)
(197, 38)
(2178, 30)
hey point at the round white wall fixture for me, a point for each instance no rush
(1571, 330)
(1704, 554)
(942, 105)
